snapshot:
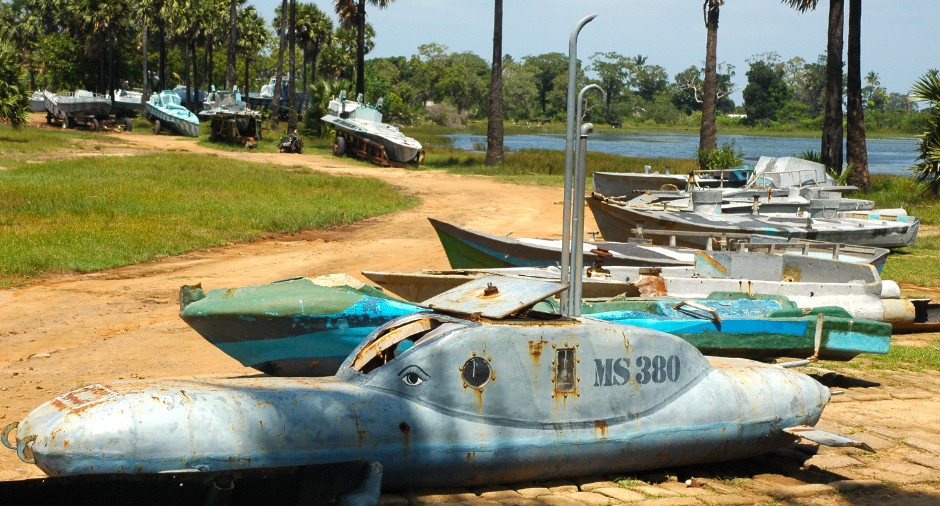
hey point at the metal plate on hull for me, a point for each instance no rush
(493, 296)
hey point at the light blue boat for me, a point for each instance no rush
(440, 400)
(303, 327)
(165, 111)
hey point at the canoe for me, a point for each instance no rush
(616, 222)
(441, 400)
(469, 249)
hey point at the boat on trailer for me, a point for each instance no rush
(360, 131)
(165, 111)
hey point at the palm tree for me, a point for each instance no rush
(292, 82)
(353, 10)
(494, 126)
(314, 31)
(928, 163)
(708, 137)
(14, 101)
(276, 99)
(252, 37)
(856, 149)
(831, 148)
(232, 45)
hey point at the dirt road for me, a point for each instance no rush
(73, 330)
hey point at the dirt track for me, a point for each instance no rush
(73, 330)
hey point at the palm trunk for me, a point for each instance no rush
(276, 99)
(111, 65)
(494, 127)
(163, 57)
(292, 82)
(210, 63)
(247, 62)
(361, 49)
(856, 150)
(186, 65)
(232, 43)
(143, 43)
(831, 149)
(708, 136)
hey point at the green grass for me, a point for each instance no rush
(545, 167)
(900, 357)
(920, 264)
(92, 213)
(27, 140)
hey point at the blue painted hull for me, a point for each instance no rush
(315, 344)
(431, 422)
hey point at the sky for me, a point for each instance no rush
(899, 37)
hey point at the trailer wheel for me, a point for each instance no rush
(48, 118)
(156, 127)
(339, 146)
(128, 125)
(213, 137)
(94, 125)
(65, 123)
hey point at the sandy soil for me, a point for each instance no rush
(72, 330)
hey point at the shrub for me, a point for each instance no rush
(722, 158)
(447, 115)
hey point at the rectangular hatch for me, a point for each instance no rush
(494, 296)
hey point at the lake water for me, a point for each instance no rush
(885, 156)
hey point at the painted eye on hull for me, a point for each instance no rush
(413, 375)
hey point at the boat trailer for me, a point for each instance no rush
(374, 152)
(92, 122)
(236, 127)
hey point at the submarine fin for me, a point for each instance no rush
(827, 438)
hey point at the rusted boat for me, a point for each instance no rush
(304, 327)
(893, 229)
(482, 390)
(292, 327)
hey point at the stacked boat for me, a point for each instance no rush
(783, 199)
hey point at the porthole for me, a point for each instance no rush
(476, 372)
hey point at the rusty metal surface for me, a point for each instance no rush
(493, 296)
(463, 403)
(827, 438)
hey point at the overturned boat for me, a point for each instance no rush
(443, 398)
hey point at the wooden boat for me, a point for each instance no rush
(438, 399)
(616, 222)
(807, 281)
(166, 112)
(469, 249)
